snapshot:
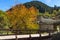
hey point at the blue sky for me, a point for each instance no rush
(7, 4)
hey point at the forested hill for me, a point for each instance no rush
(39, 5)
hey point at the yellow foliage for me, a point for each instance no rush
(21, 17)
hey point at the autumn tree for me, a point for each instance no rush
(22, 18)
(32, 18)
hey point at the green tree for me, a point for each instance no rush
(3, 20)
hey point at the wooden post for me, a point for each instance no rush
(39, 32)
(40, 37)
(30, 36)
(16, 37)
(49, 34)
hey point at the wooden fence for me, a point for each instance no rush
(5, 32)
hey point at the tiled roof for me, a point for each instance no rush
(48, 21)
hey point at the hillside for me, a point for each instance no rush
(39, 5)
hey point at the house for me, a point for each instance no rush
(48, 24)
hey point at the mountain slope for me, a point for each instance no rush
(39, 5)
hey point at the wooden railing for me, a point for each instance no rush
(5, 32)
